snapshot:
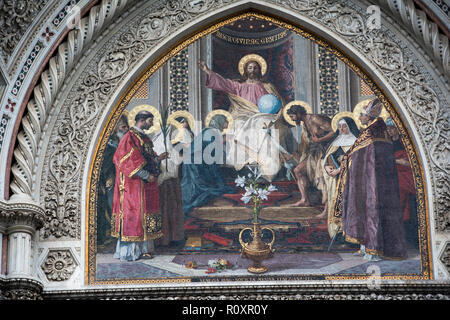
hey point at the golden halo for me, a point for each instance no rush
(252, 57)
(185, 114)
(360, 107)
(216, 112)
(156, 117)
(172, 120)
(289, 105)
(339, 116)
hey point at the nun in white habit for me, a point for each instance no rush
(344, 138)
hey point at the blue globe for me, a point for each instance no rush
(269, 103)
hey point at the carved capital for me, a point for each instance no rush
(21, 215)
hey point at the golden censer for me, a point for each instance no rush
(257, 250)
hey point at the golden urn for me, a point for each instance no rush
(257, 250)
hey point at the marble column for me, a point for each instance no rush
(19, 252)
(20, 218)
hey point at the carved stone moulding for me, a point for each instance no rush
(445, 256)
(422, 291)
(20, 214)
(427, 27)
(20, 289)
(68, 53)
(17, 17)
(59, 265)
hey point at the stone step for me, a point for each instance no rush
(224, 214)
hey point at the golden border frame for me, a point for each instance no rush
(422, 201)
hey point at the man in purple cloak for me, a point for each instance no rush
(367, 200)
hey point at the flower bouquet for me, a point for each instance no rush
(218, 265)
(254, 191)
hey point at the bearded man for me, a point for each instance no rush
(318, 132)
(406, 183)
(136, 218)
(247, 140)
(244, 94)
(106, 183)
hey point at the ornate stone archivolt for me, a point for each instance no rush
(62, 218)
(417, 21)
(45, 92)
(16, 15)
(107, 70)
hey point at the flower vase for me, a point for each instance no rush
(257, 250)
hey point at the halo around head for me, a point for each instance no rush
(216, 112)
(156, 117)
(289, 105)
(339, 116)
(360, 107)
(172, 120)
(183, 114)
(252, 57)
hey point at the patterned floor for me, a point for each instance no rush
(306, 263)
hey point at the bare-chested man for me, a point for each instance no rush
(319, 130)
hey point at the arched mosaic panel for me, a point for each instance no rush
(189, 219)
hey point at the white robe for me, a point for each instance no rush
(345, 142)
(169, 168)
(248, 140)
